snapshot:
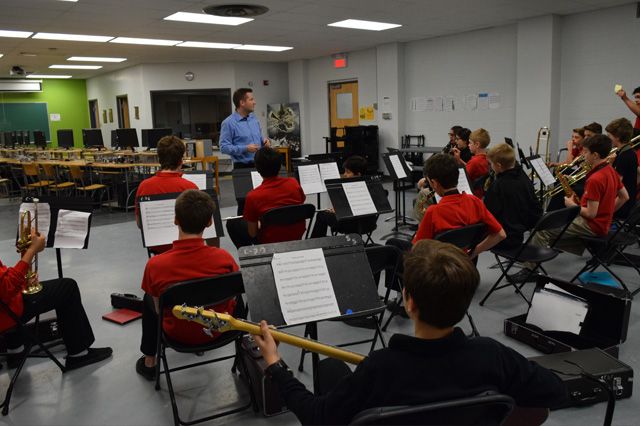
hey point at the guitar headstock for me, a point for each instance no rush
(210, 319)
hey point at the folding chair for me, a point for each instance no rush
(604, 250)
(527, 252)
(87, 190)
(200, 292)
(488, 408)
(31, 340)
(289, 215)
(381, 258)
(32, 180)
(57, 185)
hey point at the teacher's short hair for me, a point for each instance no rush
(239, 95)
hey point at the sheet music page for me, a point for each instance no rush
(256, 179)
(200, 179)
(310, 179)
(359, 198)
(72, 229)
(556, 311)
(397, 166)
(304, 286)
(329, 171)
(157, 222)
(463, 182)
(44, 216)
(543, 171)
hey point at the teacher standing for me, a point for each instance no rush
(240, 134)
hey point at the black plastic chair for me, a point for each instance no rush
(31, 340)
(527, 252)
(488, 408)
(288, 215)
(201, 292)
(605, 250)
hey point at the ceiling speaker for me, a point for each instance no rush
(236, 10)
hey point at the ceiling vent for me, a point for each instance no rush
(236, 10)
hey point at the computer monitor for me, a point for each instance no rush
(65, 138)
(127, 138)
(39, 139)
(114, 139)
(92, 138)
(154, 135)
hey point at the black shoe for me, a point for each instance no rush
(148, 373)
(522, 275)
(94, 355)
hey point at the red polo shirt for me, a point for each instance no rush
(275, 192)
(602, 185)
(12, 282)
(477, 167)
(163, 182)
(455, 211)
(188, 259)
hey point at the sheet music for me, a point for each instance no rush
(329, 171)
(542, 171)
(200, 179)
(397, 166)
(310, 179)
(304, 286)
(44, 216)
(463, 182)
(557, 311)
(256, 179)
(71, 229)
(157, 223)
(359, 198)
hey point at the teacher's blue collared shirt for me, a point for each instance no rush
(236, 133)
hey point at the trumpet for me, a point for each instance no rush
(23, 243)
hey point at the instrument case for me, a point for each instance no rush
(265, 390)
(604, 327)
(595, 362)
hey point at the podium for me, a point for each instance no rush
(349, 270)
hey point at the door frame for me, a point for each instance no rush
(95, 113)
(329, 84)
(122, 124)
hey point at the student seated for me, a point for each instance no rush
(353, 166)
(62, 295)
(274, 191)
(603, 195)
(626, 161)
(438, 363)
(592, 129)
(574, 147)
(454, 210)
(452, 140)
(167, 180)
(188, 259)
(511, 198)
(462, 150)
(478, 166)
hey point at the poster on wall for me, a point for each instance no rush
(283, 127)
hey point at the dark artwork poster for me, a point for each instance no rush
(283, 127)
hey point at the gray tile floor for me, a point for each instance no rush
(111, 393)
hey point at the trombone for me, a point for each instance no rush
(544, 136)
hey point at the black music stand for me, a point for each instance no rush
(400, 185)
(348, 267)
(341, 204)
(311, 162)
(534, 172)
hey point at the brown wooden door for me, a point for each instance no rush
(343, 105)
(123, 112)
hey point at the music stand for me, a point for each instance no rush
(242, 182)
(540, 169)
(349, 269)
(402, 180)
(341, 204)
(315, 163)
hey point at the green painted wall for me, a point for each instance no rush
(65, 97)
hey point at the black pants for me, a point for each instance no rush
(239, 233)
(62, 295)
(324, 220)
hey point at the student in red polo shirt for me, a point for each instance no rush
(274, 191)
(454, 210)
(189, 258)
(603, 195)
(478, 166)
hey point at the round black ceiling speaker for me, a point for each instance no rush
(236, 10)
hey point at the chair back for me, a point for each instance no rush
(202, 291)
(488, 408)
(288, 215)
(49, 171)
(465, 238)
(30, 169)
(555, 219)
(76, 172)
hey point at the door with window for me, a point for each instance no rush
(343, 108)
(94, 114)
(123, 112)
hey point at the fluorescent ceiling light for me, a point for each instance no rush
(209, 45)
(145, 41)
(95, 59)
(72, 37)
(47, 76)
(69, 0)
(76, 67)
(263, 48)
(15, 34)
(1, 55)
(203, 18)
(364, 25)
